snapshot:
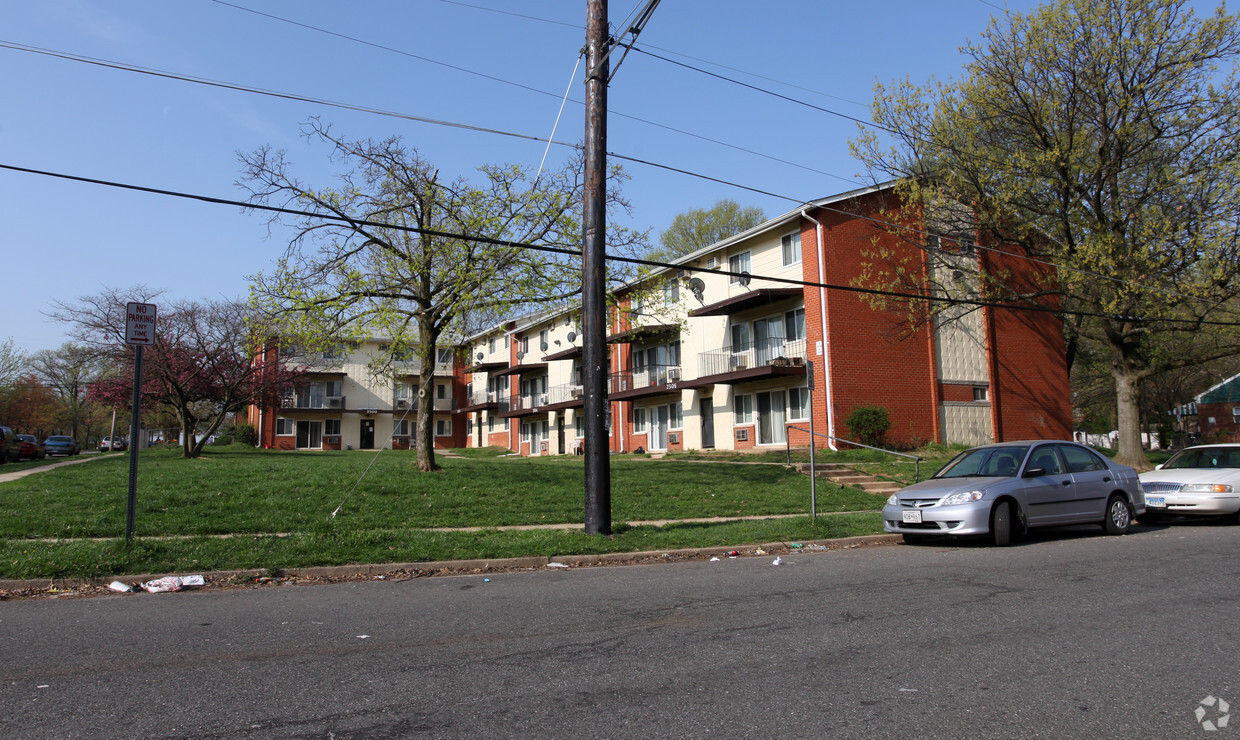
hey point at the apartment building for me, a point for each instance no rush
(701, 359)
(343, 403)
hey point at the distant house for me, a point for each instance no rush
(342, 404)
(1218, 411)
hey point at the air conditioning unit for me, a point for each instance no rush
(742, 435)
(673, 438)
(738, 362)
(333, 403)
(673, 375)
(402, 403)
(682, 274)
(712, 263)
(578, 392)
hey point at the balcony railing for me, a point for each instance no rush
(312, 402)
(762, 353)
(411, 404)
(567, 393)
(643, 377)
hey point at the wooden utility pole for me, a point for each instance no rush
(594, 273)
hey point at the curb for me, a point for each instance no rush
(334, 573)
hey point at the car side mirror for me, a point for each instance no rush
(1034, 472)
(1158, 466)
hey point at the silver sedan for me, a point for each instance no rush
(1003, 489)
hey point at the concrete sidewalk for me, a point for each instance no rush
(5, 477)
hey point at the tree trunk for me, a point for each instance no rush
(426, 401)
(1128, 416)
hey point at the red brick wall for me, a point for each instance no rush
(1029, 391)
(876, 359)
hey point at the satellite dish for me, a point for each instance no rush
(572, 336)
(543, 346)
(745, 278)
(480, 356)
(697, 286)
(520, 355)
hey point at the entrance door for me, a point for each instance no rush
(367, 441)
(559, 424)
(536, 437)
(706, 407)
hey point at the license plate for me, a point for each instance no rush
(911, 516)
(1155, 500)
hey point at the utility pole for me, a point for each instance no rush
(593, 272)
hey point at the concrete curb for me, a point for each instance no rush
(461, 567)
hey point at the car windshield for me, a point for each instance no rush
(1205, 457)
(57, 439)
(985, 461)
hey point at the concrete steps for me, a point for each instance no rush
(846, 476)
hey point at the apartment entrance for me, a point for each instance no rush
(367, 437)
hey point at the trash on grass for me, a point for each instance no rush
(556, 565)
(124, 588)
(796, 545)
(777, 561)
(171, 583)
(759, 551)
(734, 554)
(715, 559)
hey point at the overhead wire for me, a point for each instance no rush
(354, 222)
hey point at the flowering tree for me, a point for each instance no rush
(203, 366)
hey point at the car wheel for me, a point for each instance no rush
(1150, 518)
(1232, 519)
(1001, 524)
(1118, 517)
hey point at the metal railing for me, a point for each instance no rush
(643, 377)
(762, 353)
(917, 460)
(312, 402)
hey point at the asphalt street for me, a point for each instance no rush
(1069, 634)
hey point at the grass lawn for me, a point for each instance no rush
(242, 508)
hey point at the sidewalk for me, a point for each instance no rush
(5, 477)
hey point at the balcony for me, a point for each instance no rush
(650, 380)
(525, 405)
(767, 358)
(480, 400)
(312, 402)
(400, 405)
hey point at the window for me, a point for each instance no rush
(1081, 460)
(441, 391)
(401, 392)
(469, 426)
(639, 420)
(737, 263)
(334, 352)
(579, 425)
(332, 427)
(490, 423)
(525, 345)
(525, 432)
(794, 324)
(981, 393)
(285, 427)
(742, 408)
(445, 356)
(491, 345)
(798, 404)
(677, 416)
(671, 292)
(792, 248)
(740, 337)
(400, 428)
(1235, 413)
(443, 427)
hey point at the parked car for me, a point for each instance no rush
(32, 448)
(1196, 481)
(10, 446)
(112, 443)
(61, 445)
(1003, 489)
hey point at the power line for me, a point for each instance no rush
(499, 132)
(614, 258)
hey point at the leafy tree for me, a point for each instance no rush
(69, 371)
(12, 363)
(701, 227)
(29, 406)
(396, 251)
(203, 366)
(1098, 137)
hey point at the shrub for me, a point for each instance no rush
(869, 424)
(223, 439)
(244, 434)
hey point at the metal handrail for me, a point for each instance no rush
(917, 460)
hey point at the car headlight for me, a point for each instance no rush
(1205, 488)
(893, 500)
(963, 497)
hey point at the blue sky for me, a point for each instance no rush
(464, 62)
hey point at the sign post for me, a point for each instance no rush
(139, 331)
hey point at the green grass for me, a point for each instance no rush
(242, 508)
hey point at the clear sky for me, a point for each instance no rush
(485, 63)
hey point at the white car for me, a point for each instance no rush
(1196, 481)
